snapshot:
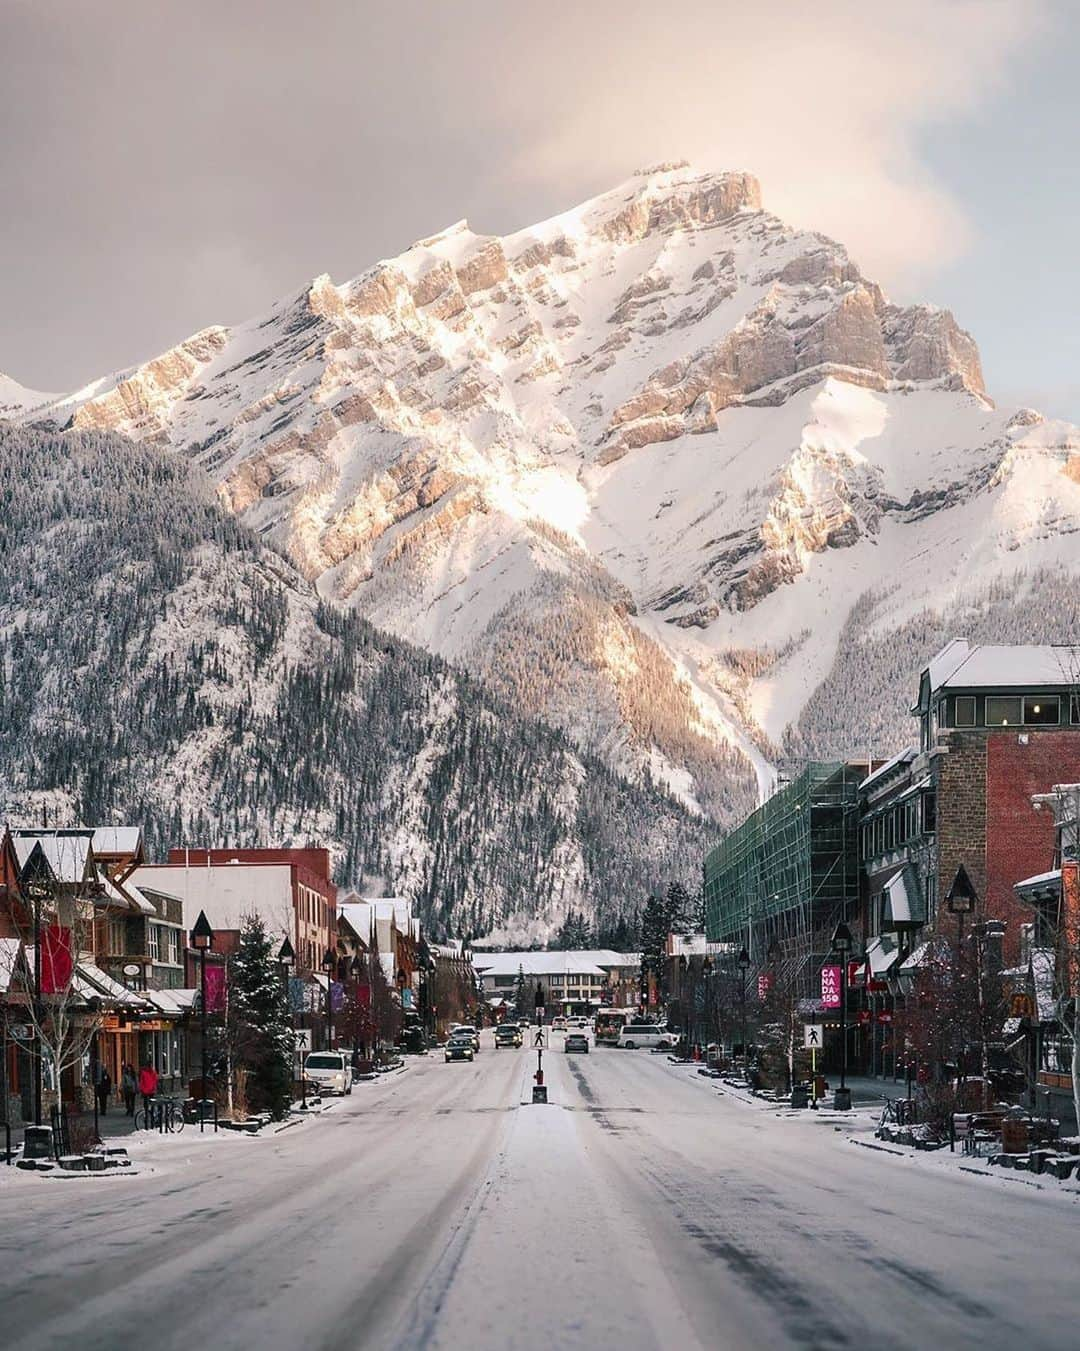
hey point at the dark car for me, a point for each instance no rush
(508, 1034)
(576, 1041)
(460, 1048)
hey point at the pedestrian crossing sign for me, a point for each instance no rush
(813, 1036)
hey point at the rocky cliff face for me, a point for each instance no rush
(648, 433)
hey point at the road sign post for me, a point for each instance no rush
(813, 1040)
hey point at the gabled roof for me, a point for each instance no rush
(68, 853)
(357, 916)
(997, 666)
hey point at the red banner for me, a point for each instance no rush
(764, 985)
(215, 989)
(57, 962)
(830, 987)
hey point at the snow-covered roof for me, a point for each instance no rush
(124, 840)
(881, 953)
(905, 757)
(960, 666)
(166, 1001)
(129, 896)
(91, 982)
(595, 962)
(66, 852)
(358, 916)
(904, 898)
(1050, 879)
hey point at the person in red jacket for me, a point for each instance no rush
(148, 1082)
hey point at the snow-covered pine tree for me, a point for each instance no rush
(260, 1021)
(677, 908)
(654, 932)
(521, 996)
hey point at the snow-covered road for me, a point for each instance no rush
(639, 1209)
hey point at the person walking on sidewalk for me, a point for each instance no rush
(148, 1082)
(129, 1086)
(103, 1087)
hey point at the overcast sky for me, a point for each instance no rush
(165, 166)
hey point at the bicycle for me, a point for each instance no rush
(163, 1114)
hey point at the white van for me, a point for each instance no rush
(329, 1071)
(645, 1034)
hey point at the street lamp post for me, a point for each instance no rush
(842, 943)
(287, 960)
(330, 966)
(707, 1000)
(39, 890)
(744, 964)
(961, 898)
(202, 940)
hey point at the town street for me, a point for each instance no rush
(639, 1209)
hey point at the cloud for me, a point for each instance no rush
(828, 104)
(189, 165)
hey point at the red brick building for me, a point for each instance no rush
(290, 889)
(997, 725)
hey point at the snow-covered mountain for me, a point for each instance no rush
(634, 466)
(159, 664)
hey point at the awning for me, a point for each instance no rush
(93, 983)
(881, 955)
(903, 899)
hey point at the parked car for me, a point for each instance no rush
(460, 1048)
(647, 1035)
(330, 1071)
(577, 1041)
(558, 1024)
(577, 1024)
(508, 1034)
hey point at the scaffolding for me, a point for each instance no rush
(781, 881)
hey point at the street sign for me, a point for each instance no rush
(132, 969)
(830, 987)
(303, 1038)
(813, 1036)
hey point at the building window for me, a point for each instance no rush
(114, 938)
(929, 813)
(964, 711)
(154, 937)
(1003, 710)
(1041, 711)
(1076, 709)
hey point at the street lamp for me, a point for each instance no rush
(961, 898)
(842, 944)
(329, 966)
(37, 887)
(744, 964)
(202, 940)
(287, 960)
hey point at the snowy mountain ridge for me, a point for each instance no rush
(632, 466)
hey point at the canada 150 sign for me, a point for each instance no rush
(830, 987)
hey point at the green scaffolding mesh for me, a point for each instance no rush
(792, 864)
